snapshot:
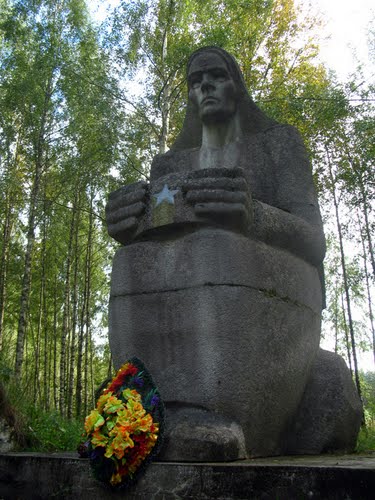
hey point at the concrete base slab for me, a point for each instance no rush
(35, 476)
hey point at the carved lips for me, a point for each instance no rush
(209, 100)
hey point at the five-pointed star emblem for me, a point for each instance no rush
(165, 195)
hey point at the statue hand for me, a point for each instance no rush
(123, 210)
(220, 194)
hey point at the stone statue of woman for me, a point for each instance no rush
(218, 287)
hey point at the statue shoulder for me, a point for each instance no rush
(284, 136)
(295, 190)
(172, 162)
(285, 146)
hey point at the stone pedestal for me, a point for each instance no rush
(34, 476)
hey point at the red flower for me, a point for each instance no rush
(126, 370)
(130, 370)
(116, 384)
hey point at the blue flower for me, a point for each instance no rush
(138, 381)
(155, 400)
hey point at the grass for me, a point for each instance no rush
(36, 429)
(49, 431)
(366, 440)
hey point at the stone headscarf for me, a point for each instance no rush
(252, 119)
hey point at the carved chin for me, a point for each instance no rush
(210, 114)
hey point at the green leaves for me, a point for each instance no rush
(59, 138)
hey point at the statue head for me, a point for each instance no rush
(217, 91)
(212, 89)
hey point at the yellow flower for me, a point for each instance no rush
(99, 439)
(93, 421)
(113, 405)
(144, 424)
(119, 444)
(102, 401)
(131, 395)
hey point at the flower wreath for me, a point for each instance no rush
(124, 431)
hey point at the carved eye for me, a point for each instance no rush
(195, 83)
(219, 75)
(195, 80)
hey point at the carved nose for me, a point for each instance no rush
(207, 82)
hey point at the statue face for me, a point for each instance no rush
(211, 88)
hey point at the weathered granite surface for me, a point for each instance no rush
(326, 420)
(33, 476)
(219, 285)
(191, 337)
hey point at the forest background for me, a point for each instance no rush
(84, 107)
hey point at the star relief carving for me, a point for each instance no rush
(166, 195)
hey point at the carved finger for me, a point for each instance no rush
(122, 213)
(220, 209)
(118, 231)
(128, 189)
(204, 195)
(124, 198)
(236, 184)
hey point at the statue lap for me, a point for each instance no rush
(223, 322)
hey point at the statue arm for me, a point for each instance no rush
(294, 223)
(288, 231)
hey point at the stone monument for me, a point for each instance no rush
(219, 286)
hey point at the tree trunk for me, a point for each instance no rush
(66, 316)
(26, 280)
(364, 202)
(345, 278)
(91, 361)
(368, 287)
(45, 312)
(55, 330)
(7, 230)
(73, 342)
(37, 347)
(368, 230)
(82, 382)
(336, 316)
(347, 341)
(109, 369)
(41, 314)
(87, 311)
(80, 355)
